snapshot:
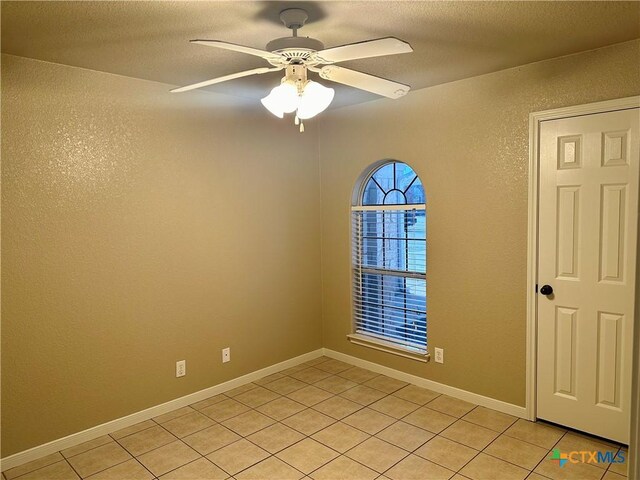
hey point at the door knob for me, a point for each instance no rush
(546, 290)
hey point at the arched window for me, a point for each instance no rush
(389, 242)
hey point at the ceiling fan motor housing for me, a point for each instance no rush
(295, 47)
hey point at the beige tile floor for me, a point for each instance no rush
(326, 420)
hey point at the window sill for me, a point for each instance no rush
(388, 347)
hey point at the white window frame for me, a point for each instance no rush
(370, 339)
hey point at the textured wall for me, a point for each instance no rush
(140, 228)
(468, 141)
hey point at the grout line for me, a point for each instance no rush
(483, 450)
(84, 451)
(63, 459)
(186, 407)
(270, 454)
(549, 451)
(144, 466)
(88, 449)
(195, 431)
(99, 471)
(626, 462)
(39, 468)
(525, 441)
(128, 435)
(71, 466)
(119, 463)
(507, 461)
(469, 461)
(160, 446)
(174, 469)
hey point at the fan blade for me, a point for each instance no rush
(239, 48)
(366, 49)
(246, 73)
(364, 81)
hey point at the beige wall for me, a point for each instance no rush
(468, 141)
(141, 228)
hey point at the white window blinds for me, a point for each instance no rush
(389, 273)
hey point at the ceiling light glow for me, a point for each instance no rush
(282, 99)
(305, 97)
(315, 99)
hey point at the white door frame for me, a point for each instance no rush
(532, 243)
(634, 458)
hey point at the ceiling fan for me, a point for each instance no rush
(298, 55)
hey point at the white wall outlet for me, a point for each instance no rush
(439, 355)
(226, 355)
(181, 368)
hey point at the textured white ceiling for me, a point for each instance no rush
(451, 40)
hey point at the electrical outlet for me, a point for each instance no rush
(226, 355)
(181, 368)
(439, 355)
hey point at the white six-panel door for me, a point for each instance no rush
(588, 207)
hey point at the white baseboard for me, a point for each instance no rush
(115, 425)
(488, 402)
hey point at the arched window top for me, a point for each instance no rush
(393, 183)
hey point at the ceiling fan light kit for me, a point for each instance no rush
(299, 55)
(298, 94)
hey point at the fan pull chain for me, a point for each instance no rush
(301, 127)
(297, 120)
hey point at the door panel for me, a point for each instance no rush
(612, 233)
(610, 327)
(568, 232)
(565, 351)
(588, 206)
